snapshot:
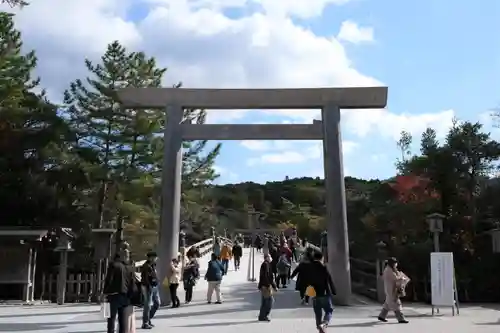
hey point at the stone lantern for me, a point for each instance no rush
(435, 222)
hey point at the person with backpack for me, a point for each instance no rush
(321, 281)
(283, 271)
(214, 274)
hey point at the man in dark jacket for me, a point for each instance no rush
(266, 286)
(150, 292)
(321, 280)
(237, 254)
(118, 285)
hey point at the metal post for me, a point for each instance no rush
(336, 213)
(435, 237)
(252, 246)
(252, 254)
(171, 195)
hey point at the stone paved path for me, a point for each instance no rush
(238, 314)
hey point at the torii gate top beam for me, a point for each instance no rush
(304, 98)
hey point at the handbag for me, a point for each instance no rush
(166, 282)
(310, 291)
(266, 292)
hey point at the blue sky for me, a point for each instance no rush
(440, 60)
(433, 56)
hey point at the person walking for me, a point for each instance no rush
(174, 280)
(217, 247)
(394, 286)
(149, 289)
(237, 254)
(258, 243)
(265, 245)
(266, 286)
(292, 244)
(275, 255)
(283, 271)
(321, 280)
(214, 274)
(119, 285)
(302, 273)
(225, 255)
(189, 277)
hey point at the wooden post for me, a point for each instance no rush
(27, 289)
(33, 274)
(62, 277)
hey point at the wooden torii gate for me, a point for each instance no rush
(177, 129)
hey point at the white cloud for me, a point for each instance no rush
(293, 152)
(265, 145)
(353, 33)
(278, 158)
(227, 174)
(255, 145)
(203, 47)
(298, 8)
(387, 124)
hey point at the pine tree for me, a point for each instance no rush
(98, 122)
(39, 183)
(128, 143)
(15, 3)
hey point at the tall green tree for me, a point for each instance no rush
(40, 181)
(98, 123)
(127, 143)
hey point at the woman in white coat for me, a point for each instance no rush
(394, 284)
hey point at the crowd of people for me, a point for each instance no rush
(285, 258)
(313, 280)
(123, 290)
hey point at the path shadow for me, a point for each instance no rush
(495, 323)
(43, 314)
(232, 323)
(368, 324)
(28, 327)
(215, 309)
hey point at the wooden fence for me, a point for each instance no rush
(79, 287)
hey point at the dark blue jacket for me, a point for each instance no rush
(215, 271)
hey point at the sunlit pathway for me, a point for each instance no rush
(239, 311)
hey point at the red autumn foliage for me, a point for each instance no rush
(411, 188)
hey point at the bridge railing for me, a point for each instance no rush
(366, 277)
(205, 247)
